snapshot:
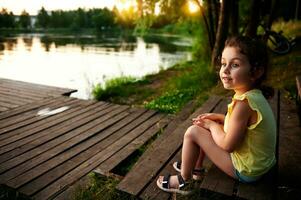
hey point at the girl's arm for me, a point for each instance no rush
(238, 122)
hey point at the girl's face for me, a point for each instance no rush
(235, 71)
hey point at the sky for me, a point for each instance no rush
(32, 6)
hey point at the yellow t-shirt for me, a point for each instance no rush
(256, 154)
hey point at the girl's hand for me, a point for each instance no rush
(205, 123)
(219, 118)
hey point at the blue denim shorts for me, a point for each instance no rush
(246, 179)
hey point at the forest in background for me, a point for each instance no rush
(210, 25)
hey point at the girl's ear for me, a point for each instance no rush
(257, 72)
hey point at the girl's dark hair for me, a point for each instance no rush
(256, 52)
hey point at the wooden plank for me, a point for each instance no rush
(69, 178)
(33, 116)
(108, 165)
(125, 152)
(65, 154)
(3, 109)
(29, 95)
(134, 181)
(21, 146)
(289, 164)
(72, 190)
(14, 99)
(34, 125)
(262, 190)
(17, 121)
(57, 131)
(97, 139)
(37, 87)
(46, 179)
(48, 132)
(7, 105)
(34, 85)
(152, 191)
(218, 181)
(298, 84)
(22, 109)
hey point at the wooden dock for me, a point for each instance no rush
(15, 93)
(48, 144)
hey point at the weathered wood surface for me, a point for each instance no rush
(157, 160)
(15, 93)
(298, 84)
(140, 181)
(289, 164)
(42, 155)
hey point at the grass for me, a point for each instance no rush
(100, 188)
(166, 92)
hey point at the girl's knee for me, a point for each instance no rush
(192, 131)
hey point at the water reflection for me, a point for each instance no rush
(81, 62)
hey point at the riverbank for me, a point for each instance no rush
(169, 90)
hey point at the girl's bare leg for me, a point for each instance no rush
(197, 137)
(199, 162)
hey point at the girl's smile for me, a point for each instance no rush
(235, 70)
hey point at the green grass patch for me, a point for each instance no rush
(171, 102)
(191, 84)
(100, 188)
(290, 29)
(113, 87)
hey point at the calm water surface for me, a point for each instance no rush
(81, 62)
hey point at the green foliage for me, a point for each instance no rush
(98, 19)
(7, 20)
(171, 102)
(143, 25)
(42, 18)
(112, 87)
(184, 88)
(100, 188)
(290, 29)
(24, 20)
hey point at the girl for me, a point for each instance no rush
(242, 143)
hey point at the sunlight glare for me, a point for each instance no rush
(157, 8)
(125, 5)
(193, 7)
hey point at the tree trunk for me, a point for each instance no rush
(216, 12)
(272, 13)
(234, 17)
(206, 22)
(211, 24)
(251, 30)
(140, 7)
(222, 31)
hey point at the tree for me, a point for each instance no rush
(43, 18)
(24, 20)
(103, 18)
(7, 20)
(254, 18)
(222, 31)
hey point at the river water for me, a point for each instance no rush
(79, 62)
